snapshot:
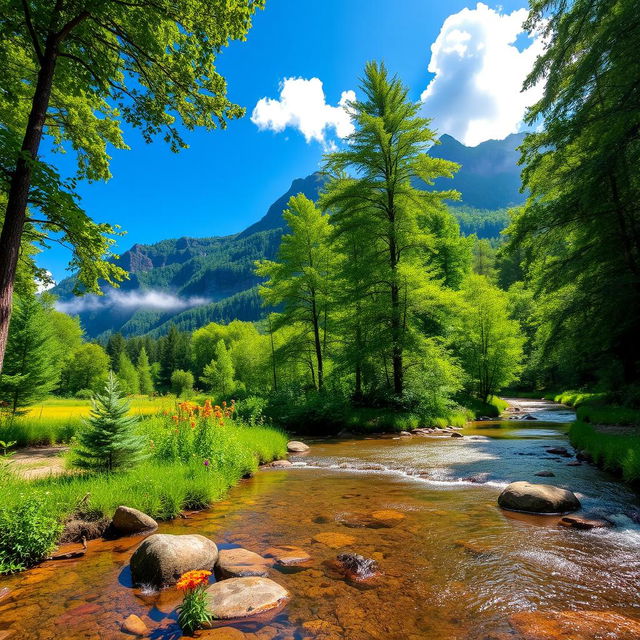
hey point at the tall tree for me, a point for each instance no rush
(299, 281)
(489, 341)
(144, 373)
(32, 368)
(127, 375)
(116, 345)
(579, 231)
(218, 374)
(73, 70)
(387, 154)
(108, 441)
(87, 369)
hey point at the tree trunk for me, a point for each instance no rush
(317, 342)
(15, 214)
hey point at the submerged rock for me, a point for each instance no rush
(578, 522)
(277, 464)
(357, 567)
(456, 434)
(334, 540)
(295, 446)
(130, 521)
(288, 555)
(134, 626)
(559, 451)
(537, 498)
(162, 558)
(240, 563)
(244, 597)
(545, 474)
(576, 625)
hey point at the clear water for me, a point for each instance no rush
(454, 567)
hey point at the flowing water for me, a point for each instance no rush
(452, 564)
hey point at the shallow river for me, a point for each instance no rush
(454, 567)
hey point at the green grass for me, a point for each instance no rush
(160, 489)
(578, 398)
(614, 452)
(28, 431)
(492, 408)
(608, 415)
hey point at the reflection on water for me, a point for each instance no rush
(454, 565)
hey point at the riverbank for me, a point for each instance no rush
(36, 514)
(451, 563)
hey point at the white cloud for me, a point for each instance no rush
(476, 93)
(302, 104)
(123, 300)
(46, 283)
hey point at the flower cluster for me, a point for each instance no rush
(193, 580)
(193, 613)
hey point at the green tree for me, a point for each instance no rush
(108, 441)
(116, 345)
(145, 376)
(175, 351)
(87, 369)
(300, 280)
(32, 368)
(579, 231)
(182, 382)
(388, 154)
(484, 258)
(127, 375)
(218, 375)
(489, 341)
(73, 70)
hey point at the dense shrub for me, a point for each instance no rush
(28, 532)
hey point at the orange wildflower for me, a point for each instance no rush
(193, 580)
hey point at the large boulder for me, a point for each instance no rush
(537, 498)
(241, 563)
(130, 521)
(244, 597)
(162, 558)
(295, 446)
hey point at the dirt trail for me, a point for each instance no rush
(38, 462)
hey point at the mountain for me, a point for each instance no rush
(489, 177)
(193, 281)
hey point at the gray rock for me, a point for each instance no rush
(276, 464)
(295, 446)
(241, 563)
(162, 558)
(244, 597)
(537, 498)
(129, 521)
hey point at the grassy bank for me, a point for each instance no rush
(615, 452)
(33, 513)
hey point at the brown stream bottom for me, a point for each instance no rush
(453, 566)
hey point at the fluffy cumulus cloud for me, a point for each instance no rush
(476, 92)
(124, 300)
(303, 105)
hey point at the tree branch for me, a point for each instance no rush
(32, 31)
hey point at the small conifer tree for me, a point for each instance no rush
(108, 441)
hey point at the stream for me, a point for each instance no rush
(452, 564)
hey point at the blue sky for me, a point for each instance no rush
(227, 179)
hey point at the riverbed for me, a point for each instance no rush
(452, 564)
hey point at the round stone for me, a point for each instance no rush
(537, 498)
(241, 563)
(162, 558)
(244, 597)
